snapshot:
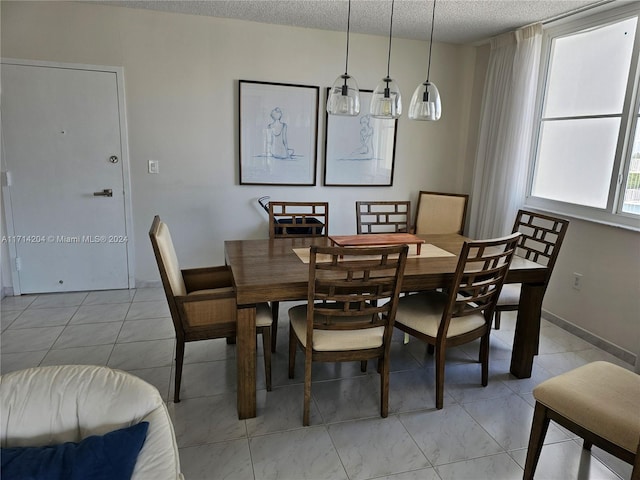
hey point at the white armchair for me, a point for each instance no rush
(52, 405)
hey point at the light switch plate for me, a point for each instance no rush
(153, 166)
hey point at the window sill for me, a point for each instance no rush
(593, 215)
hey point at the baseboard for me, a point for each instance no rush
(587, 336)
(6, 292)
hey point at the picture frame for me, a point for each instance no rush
(278, 133)
(359, 151)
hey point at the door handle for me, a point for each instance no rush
(107, 192)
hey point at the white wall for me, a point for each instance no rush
(181, 83)
(608, 303)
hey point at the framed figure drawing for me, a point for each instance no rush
(278, 133)
(359, 151)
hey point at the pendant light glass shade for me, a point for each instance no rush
(386, 101)
(425, 103)
(344, 96)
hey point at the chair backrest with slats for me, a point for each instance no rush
(541, 239)
(480, 273)
(441, 213)
(298, 219)
(383, 217)
(354, 288)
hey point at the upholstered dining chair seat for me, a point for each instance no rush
(510, 294)
(334, 340)
(423, 312)
(600, 402)
(601, 397)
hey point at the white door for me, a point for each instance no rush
(61, 131)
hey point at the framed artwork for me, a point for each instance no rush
(359, 151)
(278, 133)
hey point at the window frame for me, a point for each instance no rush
(612, 214)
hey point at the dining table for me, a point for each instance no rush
(266, 270)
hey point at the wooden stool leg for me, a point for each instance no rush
(538, 432)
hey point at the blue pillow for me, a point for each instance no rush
(108, 457)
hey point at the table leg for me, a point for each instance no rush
(527, 335)
(246, 359)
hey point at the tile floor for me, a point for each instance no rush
(481, 433)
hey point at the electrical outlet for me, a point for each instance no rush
(577, 281)
(153, 166)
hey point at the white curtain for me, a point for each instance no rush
(506, 129)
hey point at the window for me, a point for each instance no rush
(587, 156)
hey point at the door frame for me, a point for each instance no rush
(124, 158)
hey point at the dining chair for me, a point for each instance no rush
(540, 241)
(347, 316)
(600, 402)
(440, 213)
(202, 302)
(311, 220)
(383, 217)
(464, 313)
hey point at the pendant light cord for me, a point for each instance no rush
(390, 33)
(346, 62)
(433, 17)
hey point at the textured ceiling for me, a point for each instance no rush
(457, 21)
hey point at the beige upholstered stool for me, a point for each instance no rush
(600, 402)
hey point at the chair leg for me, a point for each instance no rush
(266, 347)
(440, 353)
(179, 362)
(383, 366)
(496, 315)
(363, 366)
(536, 439)
(307, 388)
(275, 310)
(635, 472)
(292, 352)
(484, 358)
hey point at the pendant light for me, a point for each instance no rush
(425, 102)
(344, 96)
(386, 101)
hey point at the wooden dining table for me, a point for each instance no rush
(270, 270)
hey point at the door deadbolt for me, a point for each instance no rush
(107, 192)
(114, 159)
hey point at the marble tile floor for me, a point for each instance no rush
(481, 433)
